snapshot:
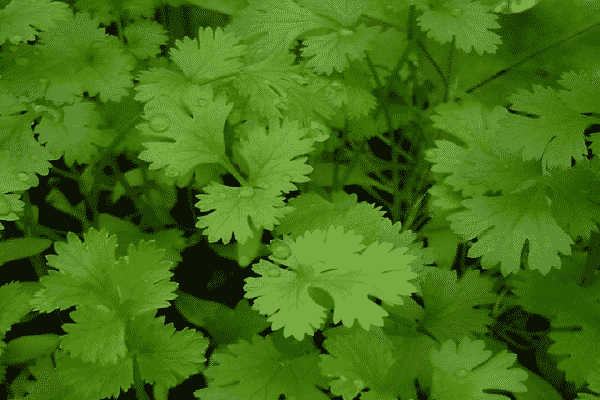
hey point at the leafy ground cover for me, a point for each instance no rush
(299, 199)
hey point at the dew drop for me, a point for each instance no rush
(235, 117)
(281, 250)
(388, 7)
(33, 158)
(319, 131)
(16, 39)
(222, 196)
(103, 308)
(274, 272)
(457, 12)
(336, 85)
(22, 61)
(548, 200)
(159, 122)
(22, 176)
(461, 372)
(246, 192)
(202, 102)
(4, 205)
(171, 173)
(359, 384)
(301, 80)
(346, 32)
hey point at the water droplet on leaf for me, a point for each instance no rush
(280, 250)
(159, 122)
(246, 192)
(22, 61)
(22, 176)
(301, 80)
(202, 102)
(16, 39)
(4, 205)
(336, 85)
(457, 12)
(318, 131)
(346, 32)
(274, 272)
(461, 372)
(222, 195)
(33, 158)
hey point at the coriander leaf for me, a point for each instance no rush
(329, 261)
(198, 138)
(270, 157)
(234, 207)
(466, 20)
(19, 17)
(346, 12)
(334, 50)
(465, 373)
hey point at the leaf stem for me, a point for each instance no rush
(233, 171)
(533, 55)
(140, 390)
(435, 65)
(64, 173)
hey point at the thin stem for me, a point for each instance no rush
(449, 69)
(233, 171)
(533, 55)
(190, 199)
(437, 68)
(140, 390)
(432, 61)
(30, 223)
(374, 193)
(64, 173)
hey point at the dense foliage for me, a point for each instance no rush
(413, 185)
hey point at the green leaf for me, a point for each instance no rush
(273, 157)
(344, 11)
(234, 207)
(15, 249)
(28, 347)
(216, 318)
(329, 261)
(463, 373)
(467, 21)
(20, 17)
(336, 50)
(197, 138)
